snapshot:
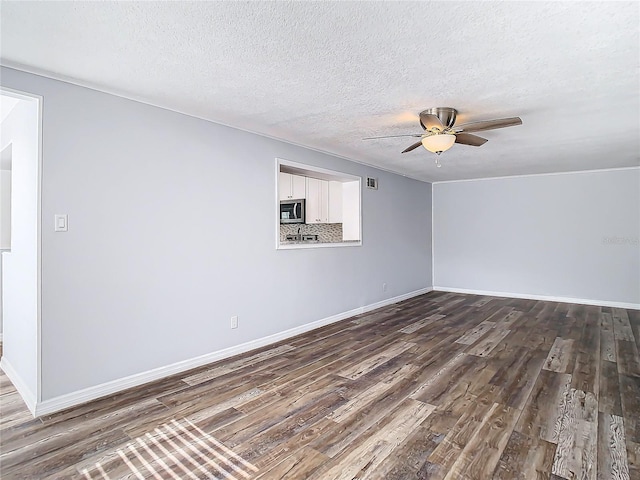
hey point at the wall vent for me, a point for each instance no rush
(372, 183)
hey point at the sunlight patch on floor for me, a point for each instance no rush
(176, 449)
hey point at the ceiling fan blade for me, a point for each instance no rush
(412, 147)
(429, 121)
(468, 139)
(395, 136)
(488, 124)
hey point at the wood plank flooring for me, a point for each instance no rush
(441, 386)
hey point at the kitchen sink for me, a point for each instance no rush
(301, 238)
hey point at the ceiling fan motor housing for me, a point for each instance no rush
(446, 115)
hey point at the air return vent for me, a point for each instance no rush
(372, 183)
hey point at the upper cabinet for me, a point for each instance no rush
(324, 201)
(317, 201)
(351, 211)
(335, 202)
(291, 186)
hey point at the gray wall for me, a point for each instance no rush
(574, 235)
(155, 261)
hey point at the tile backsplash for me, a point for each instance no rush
(327, 232)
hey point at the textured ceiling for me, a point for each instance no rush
(326, 74)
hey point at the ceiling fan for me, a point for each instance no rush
(440, 131)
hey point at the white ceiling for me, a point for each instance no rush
(326, 74)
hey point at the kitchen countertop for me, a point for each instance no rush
(314, 242)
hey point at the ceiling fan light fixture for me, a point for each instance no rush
(439, 143)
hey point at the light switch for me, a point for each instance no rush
(61, 223)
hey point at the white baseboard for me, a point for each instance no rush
(389, 301)
(26, 394)
(548, 298)
(81, 396)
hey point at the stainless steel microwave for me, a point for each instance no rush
(292, 211)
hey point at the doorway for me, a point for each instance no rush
(20, 244)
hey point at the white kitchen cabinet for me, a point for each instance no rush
(317, 204)
(335, 202)
(291, 187)
(324, 201)
(351, 211)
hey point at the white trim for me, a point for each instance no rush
(312, 168)
(433, 240)
(389, 301)
(277, 204)
(92, 86)
(81, 396)
(26, 394)
(361, 208)
(525, 175)
(302, 246)
(39, 254)
(547, 298)
(27, 96)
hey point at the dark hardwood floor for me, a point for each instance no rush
(442, 386)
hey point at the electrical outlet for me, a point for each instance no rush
(384, 287)
(234, 321)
